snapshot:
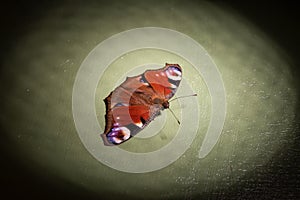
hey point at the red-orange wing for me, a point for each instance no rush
(133, 105)
(164, 81)
(129, 109)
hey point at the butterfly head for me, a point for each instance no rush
(165, 104)
(118, 135)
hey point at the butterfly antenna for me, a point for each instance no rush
(174, 116)
(191, 95)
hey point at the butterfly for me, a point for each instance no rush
(138, 101)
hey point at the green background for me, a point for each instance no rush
(43, 156)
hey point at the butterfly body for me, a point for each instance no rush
(138, 101)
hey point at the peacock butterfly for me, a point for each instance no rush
(137, 101)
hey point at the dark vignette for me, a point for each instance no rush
(279, 179)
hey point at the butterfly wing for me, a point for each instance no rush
(165, 81)
(129, 109)
(137, 101)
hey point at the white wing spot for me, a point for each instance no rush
(173, 77)
(115, 134)
(126, 132)
(173, 86)
(117, 140)
(177, 72)
(139, 124)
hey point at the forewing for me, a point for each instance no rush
(164, 81)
